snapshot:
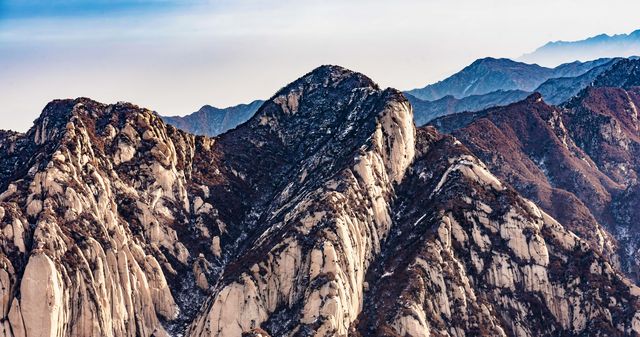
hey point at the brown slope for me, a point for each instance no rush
(598, 127)
(604, 122)
(469, 257)
(114, 223)
(526, 145)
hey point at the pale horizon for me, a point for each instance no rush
(175, 56)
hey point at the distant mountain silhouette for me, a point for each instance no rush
(489, 74)
(212, 121)
(507, 81)
(603, 45)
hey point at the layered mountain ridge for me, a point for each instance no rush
(502, 87)
(212, 121)
(602, 45)
(585, 150)
(486, 83)
(327, 213)
(489, 74)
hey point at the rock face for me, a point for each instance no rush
(325, 214)
(468, 256)
(212, 121)
(582, 156)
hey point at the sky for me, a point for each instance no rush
(173, 56)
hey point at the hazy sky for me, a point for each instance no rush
(174, 56)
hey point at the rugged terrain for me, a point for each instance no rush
(326, 214)
(579, 162)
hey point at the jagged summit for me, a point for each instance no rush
(325, 214)
(326, 85)
(329, 109)
(212, 121)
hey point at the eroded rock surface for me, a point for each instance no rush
(325, 214)
(579, 162)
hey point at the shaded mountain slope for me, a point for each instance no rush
(117, 224)
(212, 121)
(597, 134)
(489, 74)
(555, 90)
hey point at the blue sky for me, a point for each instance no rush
(174, 56)
(20, 9)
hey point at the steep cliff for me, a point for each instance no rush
(327, 213)
(579, 162)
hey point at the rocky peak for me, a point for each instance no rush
(326, 214)
(320, 118)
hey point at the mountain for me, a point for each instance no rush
(489, 74)
(211, 121)
(425, 111)
(559, 90)
(555, 90)
(484, 76)
(563, 82)
(600, 46)
(581, 157)
(326, 214)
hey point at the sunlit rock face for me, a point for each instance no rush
(579, 162)
(468, 256)
(325, 214)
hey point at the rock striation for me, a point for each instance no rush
(326, 214)
(581, 156)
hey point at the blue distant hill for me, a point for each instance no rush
(603, 45)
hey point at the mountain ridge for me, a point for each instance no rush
(212, 121)
(597, 132)
(602, 45)
(555, 90)
(326, 213)
(490, 74)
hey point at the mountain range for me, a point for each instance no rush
(492, 82)
(490, 74)
(578, 161)
(212, 121)
(600, 46)
(327, 213)
(485, 83)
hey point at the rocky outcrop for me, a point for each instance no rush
(468, 256)
(95, 235)
(327, 223)
(580, 157)
(325, 214)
